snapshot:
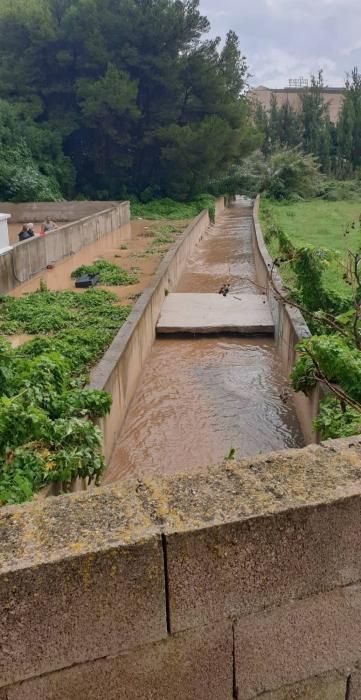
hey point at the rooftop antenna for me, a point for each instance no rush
(298, 82)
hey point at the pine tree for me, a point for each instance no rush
(348, 150)
(316, 123)
(129, 86)
(290, 126)
(274, 124)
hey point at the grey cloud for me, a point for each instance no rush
(288, 38)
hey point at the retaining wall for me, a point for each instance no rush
(119, 370)
(33, 255)
(239, 582)
(22, 212)
(290, 327)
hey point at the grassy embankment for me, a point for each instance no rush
(319, 223)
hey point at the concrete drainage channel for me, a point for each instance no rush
(214, 384)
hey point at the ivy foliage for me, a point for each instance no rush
(47, 431)
(332, 356)
(309, 263)
(340, 363)
(335, 421)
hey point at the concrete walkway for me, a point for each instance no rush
(224, 257)
(245, 314)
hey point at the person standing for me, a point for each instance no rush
(47, 226)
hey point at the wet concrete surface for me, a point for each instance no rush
(197, 398)
(207, 313)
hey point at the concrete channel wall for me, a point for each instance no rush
(22, 212)
(290, 326)
(119, 370)
(28, 258)
(239, 582)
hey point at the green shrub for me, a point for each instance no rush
(108, 273)
(170, 209)
(46, 414)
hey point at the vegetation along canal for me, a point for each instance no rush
(199, 397)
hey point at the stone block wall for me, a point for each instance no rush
(240, 582)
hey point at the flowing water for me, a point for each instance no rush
(199, 397)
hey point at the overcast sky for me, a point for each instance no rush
(285, 39)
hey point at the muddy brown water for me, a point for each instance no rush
(225, 254)
(198, 397)
(127, 247)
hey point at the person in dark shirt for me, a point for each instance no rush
(25, 233)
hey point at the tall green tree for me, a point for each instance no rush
(290, 127)
(349, 126)
(273, 132)
(316, 123)
(32, 164)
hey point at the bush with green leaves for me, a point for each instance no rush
(170, 209)
(286, 174)
(335, 420)
(290, 172)
(47, 431)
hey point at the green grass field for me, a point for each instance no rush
(319, 223)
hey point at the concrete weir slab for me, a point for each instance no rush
(246, 314)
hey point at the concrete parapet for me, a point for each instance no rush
(235, 582)
(28, 258)
(290, 326)
(265, 535)
(81, 578)
(21, 212)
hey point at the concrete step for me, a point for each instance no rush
(245, 314)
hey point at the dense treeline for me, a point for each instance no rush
(337, 146)
(108, 98)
